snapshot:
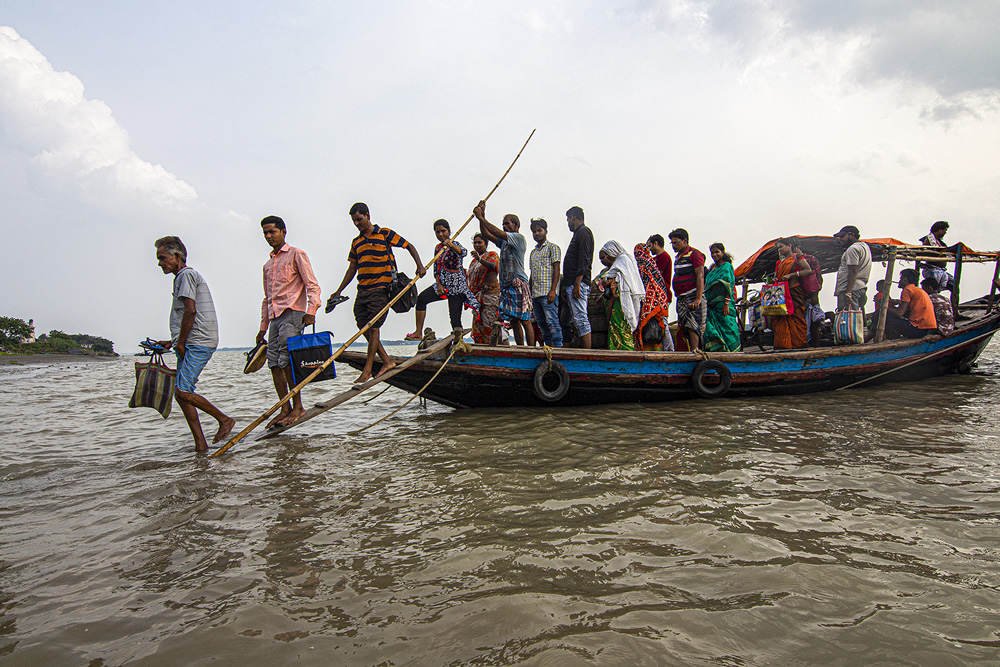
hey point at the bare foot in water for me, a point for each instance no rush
(225, 428)
(292, 417)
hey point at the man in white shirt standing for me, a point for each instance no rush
(194, 335)
(855, 268)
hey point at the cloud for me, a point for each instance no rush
(71, 139)
(946, 49)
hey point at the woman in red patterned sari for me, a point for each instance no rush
(655, 305)
(483, 283)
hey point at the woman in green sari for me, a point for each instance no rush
(722, 331)
(624, 292)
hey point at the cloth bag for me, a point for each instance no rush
(814, 281)
(400, 282)
(308, 352)
(154, 385)
(849, 327)
(776, 300)
(653, 331)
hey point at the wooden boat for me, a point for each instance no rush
(489, 376)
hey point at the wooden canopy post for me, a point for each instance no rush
(746, 306)
(955, 300)
(993, 286)
(883, 304)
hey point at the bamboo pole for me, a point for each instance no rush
(993, 286)
(883, 305)
(319, 369)
(743, 310)
(955, 300)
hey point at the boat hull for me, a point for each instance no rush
(482, 376)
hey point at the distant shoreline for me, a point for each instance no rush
(32, 359)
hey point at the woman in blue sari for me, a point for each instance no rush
(722, 331)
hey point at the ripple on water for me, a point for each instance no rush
(800, 529)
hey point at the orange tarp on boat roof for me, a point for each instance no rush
(826, 249)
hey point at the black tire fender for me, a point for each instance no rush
(538, 381)
(707, 366)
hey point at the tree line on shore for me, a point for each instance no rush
(18, 336)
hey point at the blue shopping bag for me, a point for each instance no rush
(308, 352)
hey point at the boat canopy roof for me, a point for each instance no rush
(826, 249)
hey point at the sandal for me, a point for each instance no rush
(412, 336)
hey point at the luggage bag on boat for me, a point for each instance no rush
(154, 385)
(776, 300)
(308, 352)
(849, 327)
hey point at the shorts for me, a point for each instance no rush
(368, 304)
(289, 323)
(191, 366)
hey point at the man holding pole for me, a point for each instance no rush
(372, 260)
(291, 298)
(515, 295)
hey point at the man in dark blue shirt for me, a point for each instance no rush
(576, 273)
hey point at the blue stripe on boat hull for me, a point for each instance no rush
(491, 377)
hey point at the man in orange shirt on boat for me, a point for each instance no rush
(291, 298)
(912, 316)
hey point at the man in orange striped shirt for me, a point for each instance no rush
(291, 298)
(372, 260)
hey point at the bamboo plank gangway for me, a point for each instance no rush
(357, 389)
(319, 369)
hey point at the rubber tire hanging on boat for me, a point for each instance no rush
(707, 366)
(538, 381)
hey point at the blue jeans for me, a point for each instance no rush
(547, 316)
(579, 307)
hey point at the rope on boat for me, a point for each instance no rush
(548, 356)
(457, 348)
(376, 395)
(915, 361)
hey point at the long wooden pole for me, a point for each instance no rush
(319, 369)
(955, 298)
(883, 304)
(994, 285)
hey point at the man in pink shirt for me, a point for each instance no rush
(291, 298)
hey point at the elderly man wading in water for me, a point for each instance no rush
(194, 335)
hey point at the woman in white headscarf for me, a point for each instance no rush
(624, 291)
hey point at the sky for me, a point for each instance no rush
(121, 122)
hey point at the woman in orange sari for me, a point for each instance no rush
(790, 330)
